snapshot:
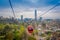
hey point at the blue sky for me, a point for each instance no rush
(27, 7)
(30, 3)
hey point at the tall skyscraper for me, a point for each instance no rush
(21, 17)
(35, 15)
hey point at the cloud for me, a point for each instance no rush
(27, 7)
(29, 12)
(52, 16)
(33, 1)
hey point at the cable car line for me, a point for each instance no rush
(50, 9)
(12, 8)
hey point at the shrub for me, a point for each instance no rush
(31, 38)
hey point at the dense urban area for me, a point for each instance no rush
(16, 29)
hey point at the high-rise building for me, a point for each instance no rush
(35, 15)
(21, 17)
(40, 19)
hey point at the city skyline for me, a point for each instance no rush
(27, 7)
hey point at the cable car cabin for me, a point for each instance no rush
(30, 29)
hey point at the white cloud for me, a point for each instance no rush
(29, 12)
(6, 12)
(33, 1)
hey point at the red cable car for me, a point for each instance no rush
(30, 29)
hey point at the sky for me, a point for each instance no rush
(27, 8)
